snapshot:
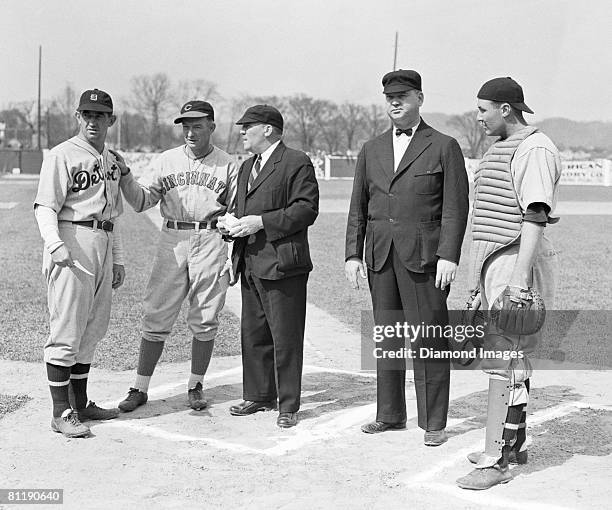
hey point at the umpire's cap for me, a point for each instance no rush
(194, 110)
(262, 114)
(95, 100)
(504, 90)
(401, 80)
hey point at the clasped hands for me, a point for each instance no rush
(228, 224)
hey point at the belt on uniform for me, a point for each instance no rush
(191, 225)
(102, 225)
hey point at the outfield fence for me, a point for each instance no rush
(596, 172)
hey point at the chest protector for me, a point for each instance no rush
(496, 217)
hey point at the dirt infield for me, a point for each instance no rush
(165, 456)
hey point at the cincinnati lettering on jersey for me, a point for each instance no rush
(84, 179)
(191, 178)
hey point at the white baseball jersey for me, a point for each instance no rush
(189, 189)
(79, 183)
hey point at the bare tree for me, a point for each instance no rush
(473, 138)
(151, 96)
(330, 124)
(376, 120)
(187, 90)
(61, 123)
(303, 112)
(352, 119)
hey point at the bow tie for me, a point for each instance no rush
(407, 132)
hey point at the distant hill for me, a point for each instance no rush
(592, 137)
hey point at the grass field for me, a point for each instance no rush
(582, 242)
(10, 403)
(23, 304)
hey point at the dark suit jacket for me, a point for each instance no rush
(422, 208)
(286, 196)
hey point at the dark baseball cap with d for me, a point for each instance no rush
(195, 109)
(95, 100)
(504, 90)
(401, 80)
(262, 114)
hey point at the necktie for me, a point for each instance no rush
(407, 132)
(254, 171)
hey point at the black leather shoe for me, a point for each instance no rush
(247, 407)
(380, 426)
(287, 420)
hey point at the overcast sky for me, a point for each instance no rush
(329, 49)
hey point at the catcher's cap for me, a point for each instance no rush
(504, 90)
(262, 114)
(95, 100)
(195, 109)
(401, 80)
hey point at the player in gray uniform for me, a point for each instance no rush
(76, 207)
(194, 184)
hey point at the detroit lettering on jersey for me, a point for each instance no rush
(196, 178)
(83, 179)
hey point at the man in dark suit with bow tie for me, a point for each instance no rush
(409, 207)
(277, 200)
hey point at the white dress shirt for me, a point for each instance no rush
(400, 144)
(265, 155)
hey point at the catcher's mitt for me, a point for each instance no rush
(518, 311)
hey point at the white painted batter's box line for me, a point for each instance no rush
(537, 418)
(8, 205)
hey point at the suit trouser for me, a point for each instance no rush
(400, 295)
(272, 333)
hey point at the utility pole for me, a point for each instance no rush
(39, 82)
(395, 52)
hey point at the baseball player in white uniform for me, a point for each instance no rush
(76, 207)
(194, 184)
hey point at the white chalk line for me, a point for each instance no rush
(326, 427)
(423, 479)
(8, 205)
(534, 419)
(332, 425)
(156, 432)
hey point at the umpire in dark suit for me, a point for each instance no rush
(409, 208)
(277, 200)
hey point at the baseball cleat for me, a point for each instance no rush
(485, 478)
(196, 399)
(69, 424)
(93, 412)
(134, 399)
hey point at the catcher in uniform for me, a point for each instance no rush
(194, 183)
(76, 207)
(515, 197)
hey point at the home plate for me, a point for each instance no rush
(333, 404)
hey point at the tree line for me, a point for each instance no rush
(145, 119)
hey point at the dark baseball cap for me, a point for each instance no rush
(401, 80)
(95, 100)
(194, 110)
(264, 114)
(504, 90)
